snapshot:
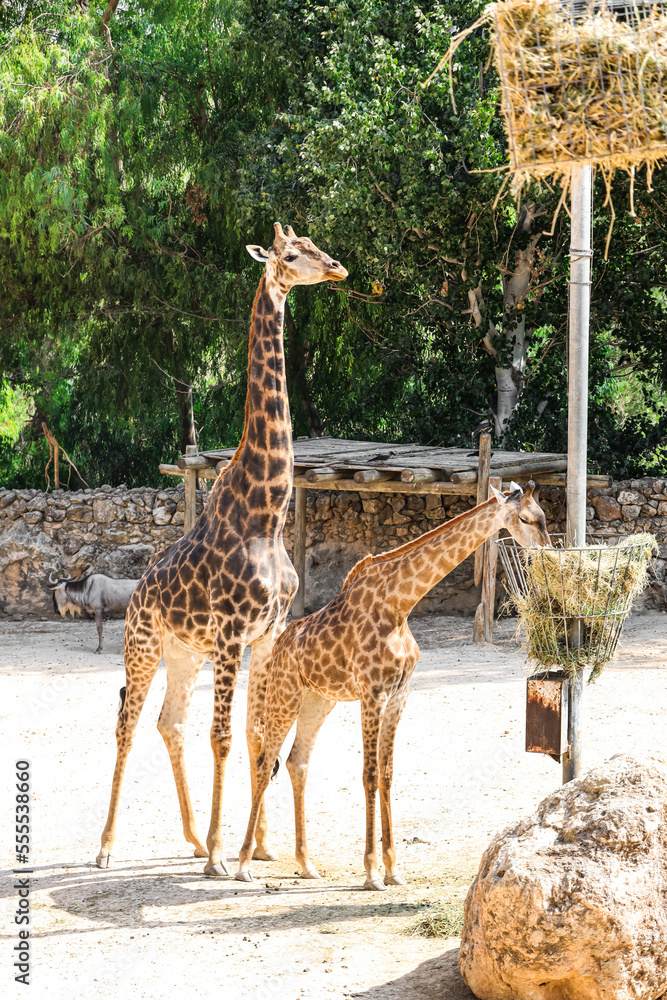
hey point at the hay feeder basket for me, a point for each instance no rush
(573, 603)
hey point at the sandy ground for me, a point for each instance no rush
(152, 925)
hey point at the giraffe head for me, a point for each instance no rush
(294, 260)
(522, 515)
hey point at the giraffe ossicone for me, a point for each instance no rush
(228, 583)
(360, 648)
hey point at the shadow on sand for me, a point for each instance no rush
(436, 979)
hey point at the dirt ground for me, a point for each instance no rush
(153, 925)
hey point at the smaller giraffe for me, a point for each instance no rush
(360, 648)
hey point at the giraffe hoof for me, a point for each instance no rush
(310, 873)
(103, 860)
(375, 884)
(264, 855)
(243, 875)
(200, 852)
(395, 880)
(217, 871)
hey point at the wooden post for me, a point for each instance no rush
(483, 626)
(489, 575)
(56, 467)
(299, 550)
(482, 494)
(190, 482)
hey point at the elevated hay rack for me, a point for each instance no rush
(581, 83)
(572, 602)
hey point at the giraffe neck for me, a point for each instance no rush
(264, 459)
(411, 571)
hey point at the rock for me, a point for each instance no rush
(7, 499)
(32, 517)
(606, 508)
(569, 904)
(38, 503)
(136, 513)
(631, 511)
(27, 558)
(79, 512)
(161, 515)
(630, 496)
(104, 510)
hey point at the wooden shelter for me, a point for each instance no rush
(328, 463)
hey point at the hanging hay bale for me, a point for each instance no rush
(580, 83)
(572, 602)
(586, 90)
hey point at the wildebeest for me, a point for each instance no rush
(95, 594)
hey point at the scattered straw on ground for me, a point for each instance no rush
(441, 920)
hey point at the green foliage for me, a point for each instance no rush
(136, 167)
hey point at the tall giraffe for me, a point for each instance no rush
(360, 648)
(228, 583)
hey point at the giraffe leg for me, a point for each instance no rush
(255, 721)
(386, 753)
(99, 626)
(182, 671)
(372, 711)
(284, 693)
(140, 669)
(314, 711)
(226, 662)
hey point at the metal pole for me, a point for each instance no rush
(577, 424)
(572, 759)
(299, 550)
(577, 369)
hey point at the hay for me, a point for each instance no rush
(587, 90)
(592, 91)
(595, 585)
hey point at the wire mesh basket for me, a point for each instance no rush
(582, 82)
(573, 602)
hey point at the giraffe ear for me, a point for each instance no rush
(257, 253)
(500, 497)
(515, 488)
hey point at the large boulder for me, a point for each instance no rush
(571, 903)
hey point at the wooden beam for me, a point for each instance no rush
(419, 476)
(317, 475)
(299, 551)
(371, 476)
(389, 486)
(465, 477)
(173, 470)
(482, 494)
(509, 470)
(193, 461)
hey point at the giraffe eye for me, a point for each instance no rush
(523, 520)
(290, 258)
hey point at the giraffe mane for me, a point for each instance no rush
(251, 339)
(414, 543)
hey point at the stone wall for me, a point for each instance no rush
(110, 530)
(117, 530)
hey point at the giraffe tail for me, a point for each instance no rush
(276, 766)
(123, 692)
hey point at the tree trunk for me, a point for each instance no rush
(184, 399)
(515, 285)
(297, 370)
